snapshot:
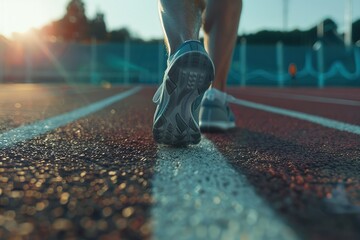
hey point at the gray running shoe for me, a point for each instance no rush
(189, 74)
(215, 114)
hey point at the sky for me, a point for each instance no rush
(141, 16)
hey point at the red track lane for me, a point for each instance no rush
(298, 167)
(328, 92)
(295, 130)
(89, 179)
(343, 113)
(300, 182)
(26, 103)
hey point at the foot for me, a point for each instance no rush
(215, 114)
(189, 74)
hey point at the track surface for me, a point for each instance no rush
(100, 177)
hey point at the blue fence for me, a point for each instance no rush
(145, 62)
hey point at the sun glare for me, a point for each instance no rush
(22, 15)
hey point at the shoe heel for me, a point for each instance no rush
(188, 78)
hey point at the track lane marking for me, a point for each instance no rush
(199, 196)
(308, 98)
(351, 128)
(30, 131)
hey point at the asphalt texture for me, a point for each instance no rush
(92, 178)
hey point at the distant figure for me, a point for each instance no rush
(181, 108)
(292, 72)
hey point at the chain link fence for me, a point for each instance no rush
(144, 63)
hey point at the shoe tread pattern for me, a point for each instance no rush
(189, 77)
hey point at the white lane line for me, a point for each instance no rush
(27, 132)
(199, 196)
(351, 128)
(309, 98)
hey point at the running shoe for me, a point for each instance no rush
(189, 74)
(215, 113)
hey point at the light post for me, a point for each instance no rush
(285, 15)
(348, 23)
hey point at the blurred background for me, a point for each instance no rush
(280, 43)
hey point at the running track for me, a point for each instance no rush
(79, 162)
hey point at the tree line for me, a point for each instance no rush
(76, 26)
(329, 35)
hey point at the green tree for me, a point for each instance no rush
(356, 31)
(120, 35)
(74, 25)
(98, 27)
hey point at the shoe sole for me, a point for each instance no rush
(188, 78)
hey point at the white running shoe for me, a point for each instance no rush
(215, 113)
(189, 74)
